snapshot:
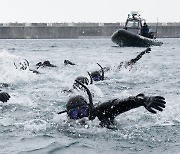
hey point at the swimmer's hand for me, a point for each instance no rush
(4, 97)
(152, 103)
(147, 50)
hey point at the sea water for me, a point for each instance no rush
(29, 122)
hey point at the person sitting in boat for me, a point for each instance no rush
(78, 108)
(4, 97)
(145, 30)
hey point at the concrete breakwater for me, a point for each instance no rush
(75, 31)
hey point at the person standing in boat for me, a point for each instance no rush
(145, 30)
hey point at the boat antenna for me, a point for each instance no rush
(156, 28)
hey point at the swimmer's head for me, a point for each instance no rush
(96, 76)
(48, 64)
(77, 107)
(45, 64)
(83, 80)
(67, 62)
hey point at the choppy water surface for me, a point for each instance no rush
(29, 122)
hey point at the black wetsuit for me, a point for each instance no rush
(107, 111)
(134, 60)
(67, 62)
(77, 107)
(4, 97)
(45, 64)
(97, 74)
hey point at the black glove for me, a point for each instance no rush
(152, 102)
(4, 97)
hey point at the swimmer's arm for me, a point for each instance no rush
(115, 107)
(4, 97)
(139, 56)
(35, 71)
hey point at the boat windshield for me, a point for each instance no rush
(133, 24)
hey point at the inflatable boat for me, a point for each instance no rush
(133, 34)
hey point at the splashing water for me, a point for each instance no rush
(29, 120)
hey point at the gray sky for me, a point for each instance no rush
(87, 10)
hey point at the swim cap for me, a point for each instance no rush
(47, 63)
(83, 80)
(75, 102)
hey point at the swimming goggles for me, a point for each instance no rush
(97, 78)
(78, 113)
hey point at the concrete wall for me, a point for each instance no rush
(38, 32)
(64, 32)
(162, 31)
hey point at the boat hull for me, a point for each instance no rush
(123, 37)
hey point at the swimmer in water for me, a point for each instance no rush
(131, 62)
(24, 65)
(45, 64)
(67, 62)
(78, 107)
(4, 97)
(99, 75)
(4, 85)
(77, 86)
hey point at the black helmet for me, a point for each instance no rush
(67, 62)
(47, 63)
(80, 101)
(82, 79)
(95, 73)
(76, 101)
